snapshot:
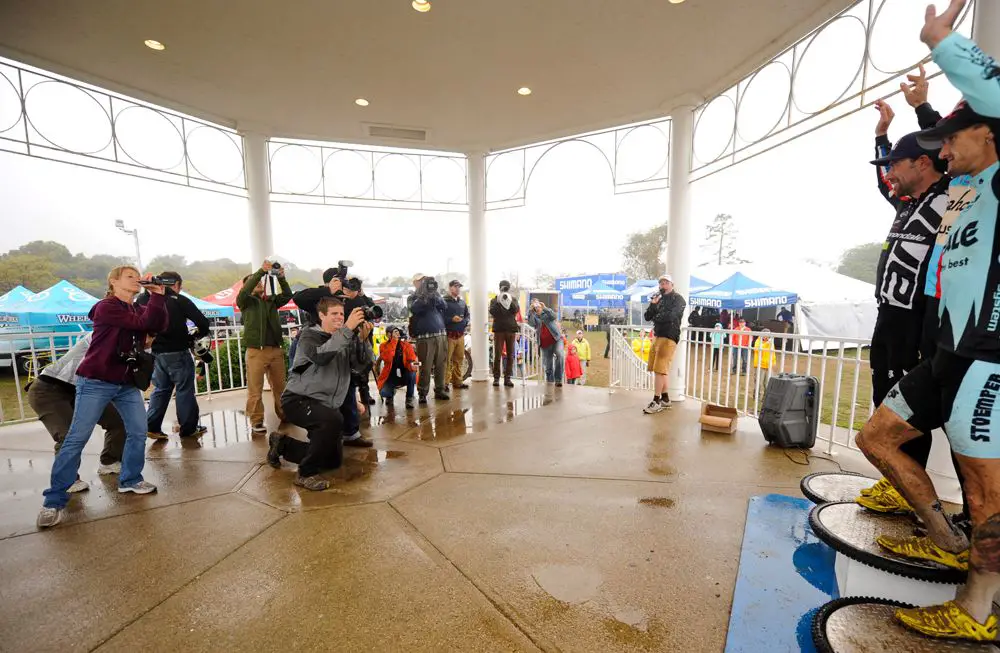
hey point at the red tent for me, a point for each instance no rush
(227, 297)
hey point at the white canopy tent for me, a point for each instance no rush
(831, 305)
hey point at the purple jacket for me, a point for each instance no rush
(117, 327)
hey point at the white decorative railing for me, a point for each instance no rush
(840, 366)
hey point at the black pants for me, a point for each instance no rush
(324, 425)
(500, 341)
(895, 351)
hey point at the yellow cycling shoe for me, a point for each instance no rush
(880, 486)
(949, 621)
(922, 548)
(889, 502)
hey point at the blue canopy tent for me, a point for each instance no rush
(740, 292)
(211, 311)
(62, 304)
(643, 288)
(600, 292)
(13, 296)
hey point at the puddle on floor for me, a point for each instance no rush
(658, 502)
(568, 583)
(225, 428)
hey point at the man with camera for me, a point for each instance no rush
(503, 310)
(263, 338)
(456, 321)
(174, 365)
(318, 390)
(333, 285)
(427, 310)
(665, 311)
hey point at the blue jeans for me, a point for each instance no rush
(741, 355)
(349, 411)
(389, 389)
(552, 361)
(92, 397)
(173, 369)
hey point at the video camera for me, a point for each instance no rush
(428, 286)
(373, 313)
(160, 281)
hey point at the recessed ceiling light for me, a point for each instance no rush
(423, 6)
(524, 90)
(361, 102)
(676, 2)
(154, 45)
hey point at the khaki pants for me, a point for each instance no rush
(456, 360)
(269, 361)
(433, 355)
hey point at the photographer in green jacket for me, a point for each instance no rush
(263, 337)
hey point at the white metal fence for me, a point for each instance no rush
(25, 353)
(720, 370)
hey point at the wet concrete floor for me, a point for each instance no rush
(530, 518)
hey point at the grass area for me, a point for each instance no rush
(8, 397)
(599, 372)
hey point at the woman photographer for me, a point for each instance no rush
(107, 375)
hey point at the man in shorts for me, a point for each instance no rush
(665, 311)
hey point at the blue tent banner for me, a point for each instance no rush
(63, 303)
(569, 286)
(210, 310)
(740, 292)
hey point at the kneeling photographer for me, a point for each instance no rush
(427, 308)
(174, 366)
(318, 390)
(113, 371)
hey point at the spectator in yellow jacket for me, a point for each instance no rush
(763, 353)
(583, 351)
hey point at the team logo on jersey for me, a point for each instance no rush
(982, 416)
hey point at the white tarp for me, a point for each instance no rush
(830, 304)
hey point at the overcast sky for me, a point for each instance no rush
(811, 198)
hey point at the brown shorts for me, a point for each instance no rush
(661, 355)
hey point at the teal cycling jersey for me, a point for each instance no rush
(970, 262)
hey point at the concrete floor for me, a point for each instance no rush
(503, 520)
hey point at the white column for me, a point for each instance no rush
(258, 192)
(986, 26)
(479, 323)
(680, 237)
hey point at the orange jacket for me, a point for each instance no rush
(742, 340)
(387, 352)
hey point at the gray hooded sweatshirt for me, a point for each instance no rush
(322, 366)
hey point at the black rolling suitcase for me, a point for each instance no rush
(789, 417)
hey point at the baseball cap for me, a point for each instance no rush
(666, 277)
(454, 282)
(961, 117)
(329, 274)
(908, 147)
(418, 276)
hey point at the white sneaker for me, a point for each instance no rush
(653, 408)
(79, 485)
(259, 428)
(142, 487)
(49, 517)
(107, 470)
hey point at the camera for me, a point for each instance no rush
(505, 298)
(130, 358)
(429, 285)
(275, 269)
(160, 281)
(342, 268)
(373, 313)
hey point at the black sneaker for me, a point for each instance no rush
(358, 442)
(409, 403)
(423, 399)
(508, 383)
(496, 383)
(461, 386)
(558, 384)
(443, 396)
(275, 445)
(197, 433)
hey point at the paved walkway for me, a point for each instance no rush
(504, 520)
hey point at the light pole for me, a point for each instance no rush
(135, 236)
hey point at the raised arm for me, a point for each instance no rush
(147, 318)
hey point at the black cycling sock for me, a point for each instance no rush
(656, 397)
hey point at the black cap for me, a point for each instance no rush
(329, 274)
(504, 284)
(454, 282)
(908, 148)
(962, 117)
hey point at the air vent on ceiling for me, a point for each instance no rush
(397, 133)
